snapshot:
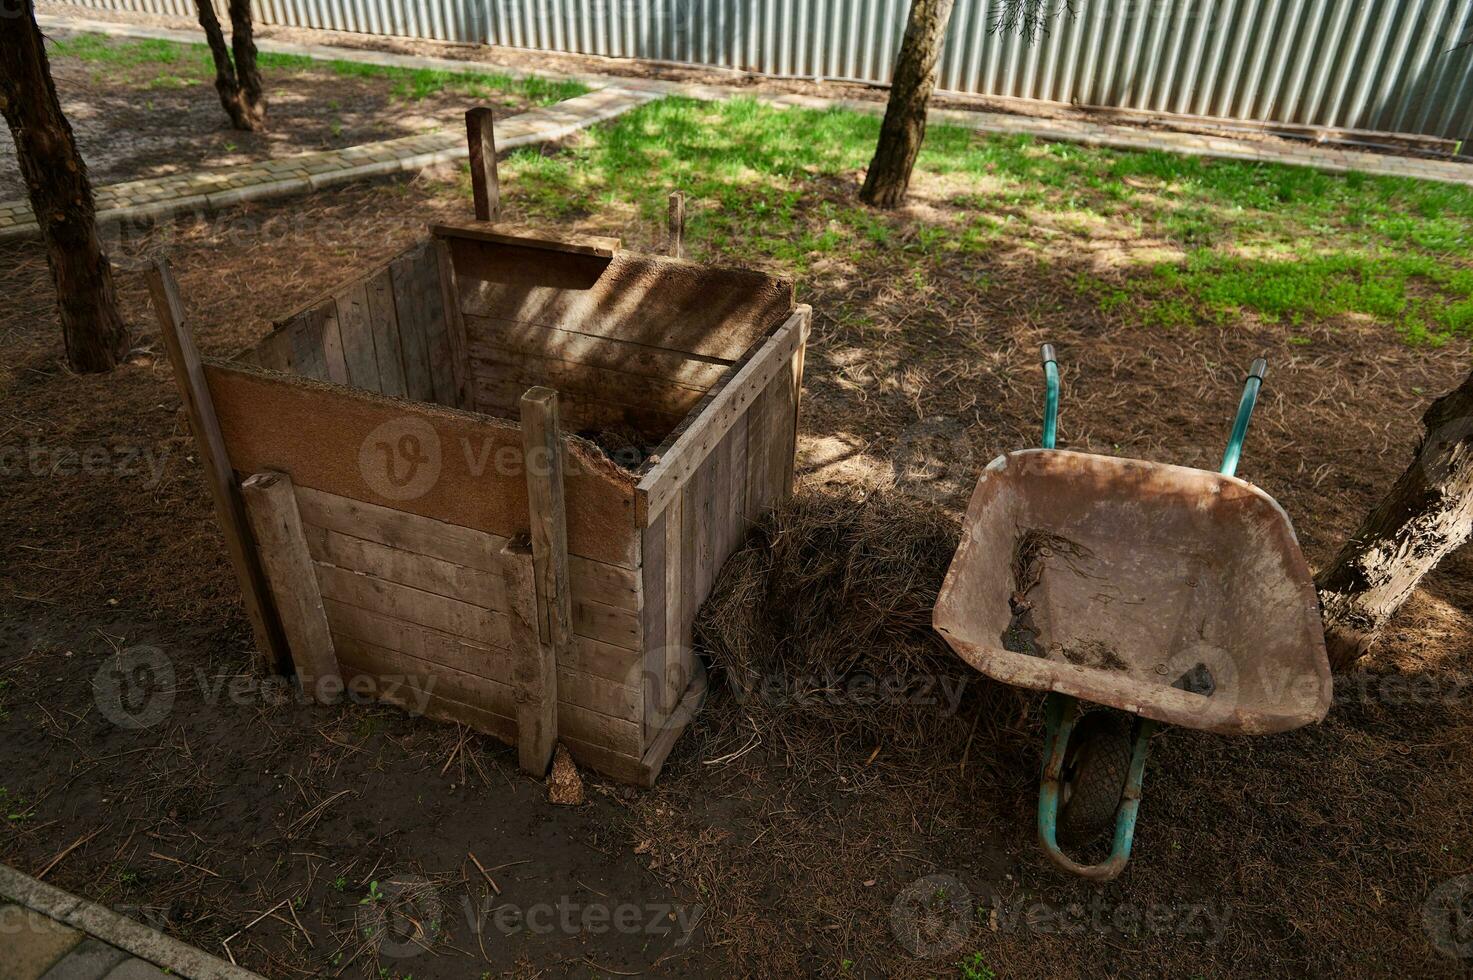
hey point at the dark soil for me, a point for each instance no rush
(129, 128)
(809, 851)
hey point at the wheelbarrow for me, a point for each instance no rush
(1173, 595)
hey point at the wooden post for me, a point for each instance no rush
(485, 184)
(189, 373)
(676, 238)
(534, 661)
(542, 448)
(271, 506)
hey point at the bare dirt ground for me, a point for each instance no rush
(134, 121)
(767, 849)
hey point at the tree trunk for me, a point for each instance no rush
(243, 45)
(93, 330)
(905, 116)
(1425, 517)
(231, 76)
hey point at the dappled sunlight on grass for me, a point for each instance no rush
(1172, 240)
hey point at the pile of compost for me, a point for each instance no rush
(822, 621)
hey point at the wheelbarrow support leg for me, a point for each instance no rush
(1061, 713)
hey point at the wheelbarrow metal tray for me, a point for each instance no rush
(1169, 592)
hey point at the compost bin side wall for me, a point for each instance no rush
(729, 483)
(406, 539)
(384, 332)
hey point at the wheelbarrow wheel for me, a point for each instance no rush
(1095, 769)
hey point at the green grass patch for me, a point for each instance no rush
(1287, 244)
(178, 65)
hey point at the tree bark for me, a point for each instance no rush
(1427, 514)
(237, 80)
(904, 127)
(92, 329)
(243, 45)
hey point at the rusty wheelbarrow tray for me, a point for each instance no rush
(1174, 594)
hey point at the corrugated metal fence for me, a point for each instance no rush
(1363, 64)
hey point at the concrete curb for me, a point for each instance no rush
(116, 930)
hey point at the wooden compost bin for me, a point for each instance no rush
(369, 464)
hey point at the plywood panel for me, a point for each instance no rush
(606, 353)
(459, 468)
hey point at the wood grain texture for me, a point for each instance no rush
(383, 320)
(502, 233)
(653, 621)
(455, 342)
(688, 448)
(199, 405)
(600, 386)
(461, 469)
(480, 131)
(533, 660)
(271, 507)
(606, 353)
(644, 299)
(356, 331)
(542, 448)
(412, 314)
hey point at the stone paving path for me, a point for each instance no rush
(209, 190)
(48, 934)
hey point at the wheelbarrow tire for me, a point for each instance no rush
(1095, 770)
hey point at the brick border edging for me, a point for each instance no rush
(116, 930)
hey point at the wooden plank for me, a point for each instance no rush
(308, 360)
(534, 660)
(498, 364)
(677, 620)
(480, 133)
(542, 448)
(734, 510)
(695, 506)
(399, 529)
(271, 508)
(458, 467)
(332, 344)
(590, 580)
(199, 405)
(675, 227)
(795, 387)
(719, 411)
(761, 483)
(644, 299)
(617, 626)
(588, 675)
(463, 619)
(383, 320)
(356, 332)
(275, 352)
(450, 299)
(437, 338)
(413, 320)
(598, 246)
(653, 571)
(609, 353)
(659, 749)
(409, 568)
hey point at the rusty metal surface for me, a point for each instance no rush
(1169, 592)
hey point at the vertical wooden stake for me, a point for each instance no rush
(485, 184)
(676, 238)
(271, 505)
(534, 661)
(542, 448)
(189, 374)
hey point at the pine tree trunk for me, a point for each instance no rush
(93, 330)
(238, 106)
(904, 127)
(1425, 517)
(243, 45)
